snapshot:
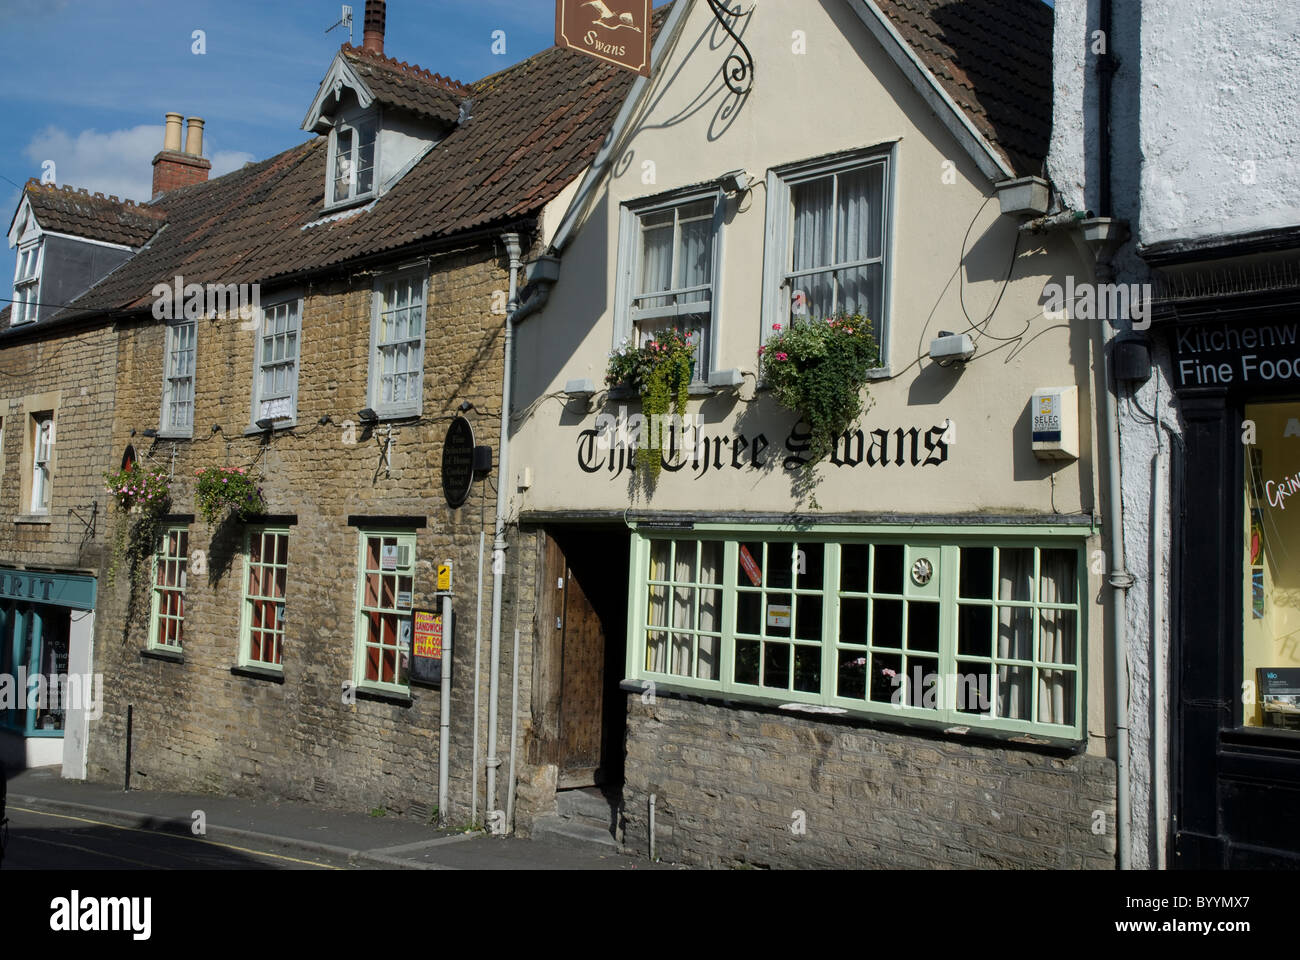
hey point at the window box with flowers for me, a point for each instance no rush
(143, 495)
(660, 371)
(819, 369)
(221, 491)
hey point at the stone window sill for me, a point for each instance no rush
(169, 656)
(385, 696)
(34, 519)
(267, 674)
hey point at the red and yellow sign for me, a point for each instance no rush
(428, 635)
(616, 31)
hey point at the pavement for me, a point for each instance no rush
(70, 824)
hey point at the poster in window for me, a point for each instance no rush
(388, 557)
(752, 569)
(427, 650)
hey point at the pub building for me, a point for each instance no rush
(1235, 368)
(901, 660)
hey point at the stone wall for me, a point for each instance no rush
(742, 787)
(70, 373)
(198, 726)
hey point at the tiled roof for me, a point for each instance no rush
(398, 84)
(93, 216)
(534, 128)
(994, 58)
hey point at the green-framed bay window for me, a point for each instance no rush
(985, 630)
(170, 573)
(385, 581)
(262, 614)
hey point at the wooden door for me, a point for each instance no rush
(575, 673)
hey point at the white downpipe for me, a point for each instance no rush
(478, 644)
(512, 244)
(514, 733)
(444, 730)
(1160, 766)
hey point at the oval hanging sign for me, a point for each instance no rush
(458, 462)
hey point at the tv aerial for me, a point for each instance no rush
(345, 19)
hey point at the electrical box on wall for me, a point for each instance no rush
(1054, 419)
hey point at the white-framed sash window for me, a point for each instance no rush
(27, 283)
(178, 379)
(353, 165)
(828, 242)
(670, 255)
(42, 462)
(275, 373)
(397, 344)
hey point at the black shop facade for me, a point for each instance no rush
(1235, 660)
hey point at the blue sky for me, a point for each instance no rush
(90, 80)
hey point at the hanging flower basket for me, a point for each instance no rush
(660, 371)
(138, 490)
(818, 369)
(219, 491)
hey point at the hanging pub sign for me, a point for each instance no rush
(616, 31)
(458, 462)
(427, 647)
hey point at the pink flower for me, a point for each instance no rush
(782, 356)
(776, 326)
(761, 350)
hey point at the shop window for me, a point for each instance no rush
(1270, 692)
(828, 242)
(397, 345)
(263, 616)
(170, 569)
(669, 258)
(384, 605)
(980, 634)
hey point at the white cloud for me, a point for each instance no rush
(118, 163)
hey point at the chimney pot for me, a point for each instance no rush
(172, 136)
(376, 17)
(194, 136)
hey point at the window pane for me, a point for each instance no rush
(1015, 574)
(813, 223)
(889, 568)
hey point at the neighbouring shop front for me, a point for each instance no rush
(47, 693)
(1236, 656)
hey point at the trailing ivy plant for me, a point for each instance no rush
(660, 371)
(142, 494)
(218, 491)
(818, 369)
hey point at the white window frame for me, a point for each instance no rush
(27, 286)
(43, 437)
(248, 600)
(629, 268)
(171, 381)
(405, 408)
(403, 538)
(294, 302)
(374, 117)
(779, 249)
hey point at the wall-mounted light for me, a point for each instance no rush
(580, 389)
(151, 433)
(266, 423)
(216, 428)
(368, 415)
(324, 420)
(465, 406)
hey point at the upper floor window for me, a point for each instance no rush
(829, 242)
(42, 461)
(352, 167)
(275, 374)
(397, 345)
(27, 282)
(178, 380)
(669, 260)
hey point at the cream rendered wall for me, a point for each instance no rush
(843, 94)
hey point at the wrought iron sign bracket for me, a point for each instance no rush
(738, 71)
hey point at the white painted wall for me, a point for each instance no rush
(844, 94)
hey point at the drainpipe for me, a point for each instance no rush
(511, 241)
(547, 270)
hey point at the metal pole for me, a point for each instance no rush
(444, 734)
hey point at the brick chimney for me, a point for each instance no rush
(174, 167)
(376, 17)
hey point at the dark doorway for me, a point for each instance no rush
(583, 622)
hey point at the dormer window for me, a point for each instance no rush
(27, 282)
(352, 166)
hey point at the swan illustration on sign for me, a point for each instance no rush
(615, 31)
(609, 20)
